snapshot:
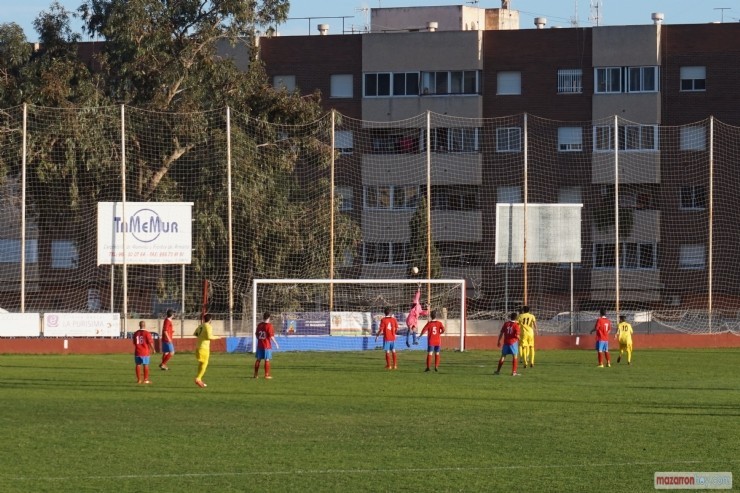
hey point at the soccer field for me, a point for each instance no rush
(341, 422)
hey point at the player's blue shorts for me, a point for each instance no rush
(433, 349)
(263, 354)
(602, 346)
(141, 360)
(512, 349)
(168, 347)
(389, 345)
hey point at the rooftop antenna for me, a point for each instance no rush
(574, 19)
(595, 16)
(365, 13)
(722, 9)
(473, 2)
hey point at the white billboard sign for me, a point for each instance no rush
(553, 233)
(20, 325)
(82, 324)
(155, 233)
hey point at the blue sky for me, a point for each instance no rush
(558, 12)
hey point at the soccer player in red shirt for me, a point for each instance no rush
(168, 346)
(602, 328)
(510, 333)
(265, 337)
(143, 347)
(388, 328)
(435, 329)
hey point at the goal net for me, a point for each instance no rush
(343, 314)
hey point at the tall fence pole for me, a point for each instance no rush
(123, 215)
(710, 259)
(332, 206)
(23, 209)
(616, 214)
(230, 220)
(429, 204)
(524, 220)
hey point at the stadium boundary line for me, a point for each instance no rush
(357, 471)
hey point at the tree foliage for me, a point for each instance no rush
(161, 58)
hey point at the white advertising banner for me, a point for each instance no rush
(155, 233)
(351, 323)
(20, 325)
(82, 324)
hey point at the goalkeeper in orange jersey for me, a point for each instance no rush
(624, 336)
(528, 324)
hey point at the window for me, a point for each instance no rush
(341, 86)
(464, 82)
(395, 141)
(631, 138)
(10, 251)
(633, 256)
(642, 79)
(386, 253)
(343, 141)
(455, 198)
(570, 139)
(693, 138)
(459, 254)
(406, 84)
(285, 82)
(396, 197)
(343, 197)
(693, 79)
(570, 195)
(509, 83)
(694, 197)
(608, 80)
(509, 195)
(64, 254)
(570, 81)
(462, 139)
(692, 257)
(638, 137)
(509, 139)
(377, 85)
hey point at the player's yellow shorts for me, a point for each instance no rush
(527, 340)
(625, 346)
(202, 355)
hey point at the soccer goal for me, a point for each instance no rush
(343, 314)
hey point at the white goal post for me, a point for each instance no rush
(316, 314)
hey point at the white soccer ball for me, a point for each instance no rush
(415, 270)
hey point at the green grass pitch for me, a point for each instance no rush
(340, 422)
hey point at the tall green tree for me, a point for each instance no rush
(162, 58)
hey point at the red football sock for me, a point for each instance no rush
(256, 367)
(146, 372)
(166, 357)
(395, 360)
(436, 360)
(429, 360)
(600, 360)
(267, 367)
(608, 358)
(387, 360)
(514, 365)
(138, 373)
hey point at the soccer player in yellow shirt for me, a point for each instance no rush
(204, 333)
(624, 335)
(528, 324)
